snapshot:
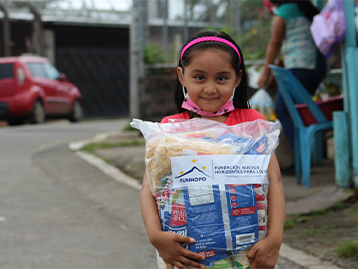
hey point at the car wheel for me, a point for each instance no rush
(15, 121)
(37, 114)
(77, 112)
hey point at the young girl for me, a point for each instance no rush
(212, 84)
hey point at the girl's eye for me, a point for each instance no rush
(199, 77)
(221, 79)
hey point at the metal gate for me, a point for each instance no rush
(102, 76)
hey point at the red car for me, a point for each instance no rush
(32, 89)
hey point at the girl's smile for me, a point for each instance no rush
(209, 79)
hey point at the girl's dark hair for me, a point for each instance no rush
(305, 5)
(240, 99)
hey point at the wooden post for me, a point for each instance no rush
(341, 144)
(351, 57)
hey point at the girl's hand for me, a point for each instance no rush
(264, 254)
(170, 249)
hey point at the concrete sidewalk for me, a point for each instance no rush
(322, 193)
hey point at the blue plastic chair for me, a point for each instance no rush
(293, 92)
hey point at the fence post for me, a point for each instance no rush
(341, 147)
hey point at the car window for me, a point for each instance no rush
(37, 69)
(20, 76)
(6, 71)
(51, 71)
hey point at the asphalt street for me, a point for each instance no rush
(57, 211)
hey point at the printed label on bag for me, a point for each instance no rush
(219, 169)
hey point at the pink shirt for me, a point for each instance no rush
(239, 115)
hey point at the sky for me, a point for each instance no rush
(176, 7)
(98, 4)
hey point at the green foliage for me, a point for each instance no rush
(348, 249)
(319, 212)
(289, 224)
(154, 54)
(302, 219)
(256, 36)
(226, 29)
(339, 206)
(253, 41)
(128, 128)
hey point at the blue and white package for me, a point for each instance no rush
(223, 217)
(171, 209)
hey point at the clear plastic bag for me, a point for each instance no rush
(262, 102)
(210, 181)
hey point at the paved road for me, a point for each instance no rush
(56, 211)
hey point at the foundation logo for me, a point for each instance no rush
(193, 174)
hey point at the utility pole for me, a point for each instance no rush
(186, 30)
(238, 17)
(136, 69)
(212, 13)
(6, 31)
(133, 62)
(165, 24)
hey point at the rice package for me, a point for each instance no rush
(210, 182)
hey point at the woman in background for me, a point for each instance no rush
(292, 36)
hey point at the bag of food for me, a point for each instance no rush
(210, 181)
(262, 102)
(329, 27)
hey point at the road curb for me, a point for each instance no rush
(296, 256)
(109, 170)
(303, 259)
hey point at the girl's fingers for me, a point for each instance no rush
(188, 253)
(169, 266)
(193, 255)
(194, 264)
(251, 254)
(187, 262)
(184, 239)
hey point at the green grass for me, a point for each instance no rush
(105, 145)
(348, 249)
(339, 206)
(336, 207)
(128, 127)
(302, 219)
(319, 212)
(312, 231)
(289, 224)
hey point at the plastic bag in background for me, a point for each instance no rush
(254, 73)
(329, 27)
(262, 102)
(185, 161)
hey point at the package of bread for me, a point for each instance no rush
(210, 181)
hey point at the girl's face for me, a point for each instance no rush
(209, 79)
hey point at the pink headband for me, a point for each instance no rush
(209, 38)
